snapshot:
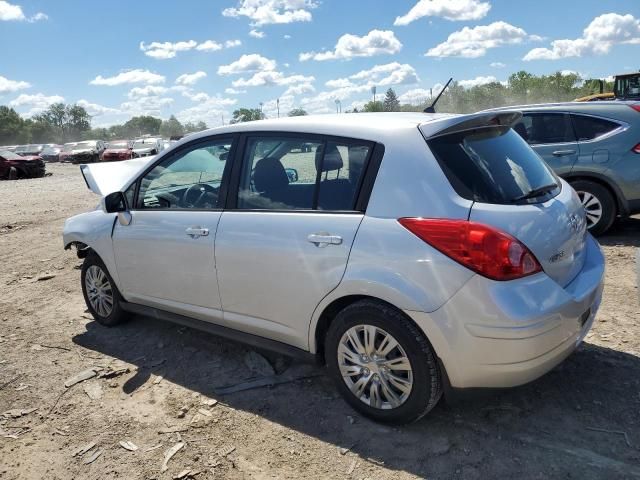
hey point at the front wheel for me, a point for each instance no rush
(100, 292)
(382, 363)
(598, 203)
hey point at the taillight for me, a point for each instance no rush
(481, 248)
(636, 149)
(636, 107)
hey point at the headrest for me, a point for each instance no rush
(269, 174)
(332, 159)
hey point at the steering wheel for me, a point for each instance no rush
(195, 194)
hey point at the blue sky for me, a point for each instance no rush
(199, 60)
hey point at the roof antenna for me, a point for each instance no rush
(432, 108)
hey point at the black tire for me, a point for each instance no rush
(607, 201)
(117, 314)
(427, 383)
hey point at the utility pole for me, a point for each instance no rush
(278, 106)
(338, 106)
(373, 91)
(261, 114)
(222, 118)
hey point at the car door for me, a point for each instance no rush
(592, 134)
(165, 255)
(551, 135)
(284, 241)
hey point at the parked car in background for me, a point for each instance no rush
(9, 148)
(30, 150)
(51, 153)
(87, 151)
(408, 251)
(14, 166)
(118, 150)
(65, 152)
(595, 146)
(144, 147)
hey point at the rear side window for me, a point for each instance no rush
(492, 165)
(590, 128)
(541, 128)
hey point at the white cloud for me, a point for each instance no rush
(196, 97)
(7, 85)
(376, 42)
(96, 110)
(210, 111)
(247, 64)
(256, 33)
(388, 74)
(264, 12)
(190, 78)
(497, 65)
(130, 76)
(474, 42)
(38, 102)
(151, 105)
(474, 82)
(598, 38)
(165, 50)
(233, 91)
(10, 12)
(449, 9)
(414, 96)
(300, 89)
(286, 37)
(147, 91)
(285, 102)
(271, 77)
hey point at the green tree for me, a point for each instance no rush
(246, 115)
(391, 102)
(12, 127)
(372, 106)
(142, 125)
(298, 112)
(171, 128)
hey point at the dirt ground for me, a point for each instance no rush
(581, 421)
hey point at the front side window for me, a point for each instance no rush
(190, 179)
(590, 128)
(543, 128)
(297, 173)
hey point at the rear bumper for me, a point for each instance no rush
(502, 334)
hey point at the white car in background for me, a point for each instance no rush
(146, 147)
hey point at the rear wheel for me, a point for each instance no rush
(100, 292)
(382, 364)
(598, 203)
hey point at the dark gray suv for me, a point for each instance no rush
(594, 146)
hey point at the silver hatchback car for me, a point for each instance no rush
(411, 253)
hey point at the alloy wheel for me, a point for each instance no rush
(375, 367)
(99, 291)
(592, 207)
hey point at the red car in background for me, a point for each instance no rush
(13, 166)
(118, 150)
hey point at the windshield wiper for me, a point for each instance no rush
(536, 192)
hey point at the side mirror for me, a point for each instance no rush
(292, 174)
(114, 202)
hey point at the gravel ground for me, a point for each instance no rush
(160, 386)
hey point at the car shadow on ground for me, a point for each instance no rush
(624, 232)
(568, 422)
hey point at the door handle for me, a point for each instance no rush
(562, 153)
(195, 232)
(324, 239)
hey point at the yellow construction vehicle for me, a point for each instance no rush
(626, 86)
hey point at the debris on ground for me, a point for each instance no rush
(82, 376)
(182, 412)
(170, 453)
(128, 445)
(92, 458)
(258, 364)
(210, 402)
(114, 372)
(155, 447)
(223, 452)
(93, 390)
(187, 473)
(46, 276)
(82, 450)
(18, 412)
(22, 386)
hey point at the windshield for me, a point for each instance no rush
(50, 151)
(85, 145)
(7, 155)
(628, 87)
(493, 165)
(22, 148)
(146, 143)
(67, 147)
(118, 145)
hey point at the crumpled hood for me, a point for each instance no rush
(106, 178)
(81, 151)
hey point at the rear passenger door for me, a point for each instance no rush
(284, 240)
(591, 133)
(551, 135)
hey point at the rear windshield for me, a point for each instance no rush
(494, 165)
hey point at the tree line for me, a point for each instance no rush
(62, 123)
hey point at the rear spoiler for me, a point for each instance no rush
(106, 178)
(462, 123)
